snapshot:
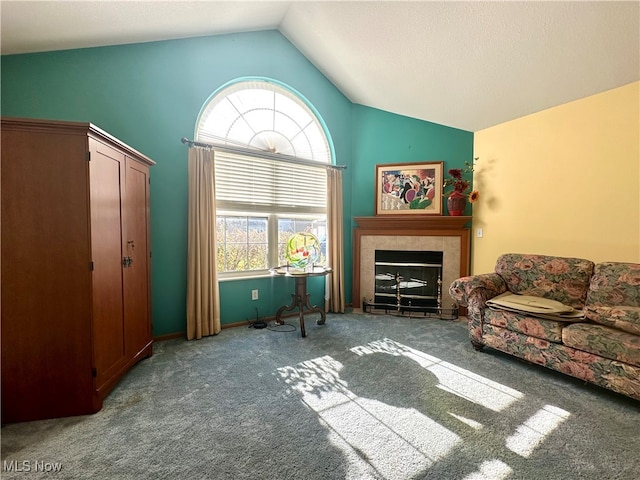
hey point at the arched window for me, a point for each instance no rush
(272, 151)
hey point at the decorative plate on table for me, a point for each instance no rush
(302, 249)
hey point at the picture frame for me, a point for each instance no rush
(409, 188)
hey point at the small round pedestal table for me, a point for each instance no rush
(300, 299)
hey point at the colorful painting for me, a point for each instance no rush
(409, 189)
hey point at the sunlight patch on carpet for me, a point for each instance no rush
(391, 441)
(468, 421)
(490, 470)
(395, 442)
(453, 379)
(535, 429)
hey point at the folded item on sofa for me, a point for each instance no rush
(536, 306)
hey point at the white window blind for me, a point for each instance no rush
(251, 183)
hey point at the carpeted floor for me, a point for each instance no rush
(362, 397)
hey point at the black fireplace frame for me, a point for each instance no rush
(430, 307)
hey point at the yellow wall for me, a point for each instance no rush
(564, 181)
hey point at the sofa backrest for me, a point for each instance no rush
(614, 296)
(565, 279)
(615, 284)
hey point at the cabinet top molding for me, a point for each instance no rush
(404, 222)
(72, 128)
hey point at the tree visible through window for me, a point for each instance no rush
(271, 157)
(242, 243)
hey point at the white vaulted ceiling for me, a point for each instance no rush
(468, 65)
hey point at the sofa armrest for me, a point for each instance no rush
(486, 286)
(473, 293)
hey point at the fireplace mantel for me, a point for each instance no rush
(412, 222)
(448, 234)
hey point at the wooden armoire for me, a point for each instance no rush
(75, 268)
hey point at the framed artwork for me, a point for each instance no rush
(409, 188)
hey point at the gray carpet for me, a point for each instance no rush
(362, 397)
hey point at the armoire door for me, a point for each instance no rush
(106, 178)
(137, 321)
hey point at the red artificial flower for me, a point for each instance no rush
(456, 173)
(459, 183)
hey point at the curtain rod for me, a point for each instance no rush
(257, 153)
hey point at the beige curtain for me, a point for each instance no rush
(334, 292)
(203, 298)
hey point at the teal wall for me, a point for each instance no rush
(381, 137)
(149, 95)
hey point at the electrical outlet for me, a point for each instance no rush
(254, 294)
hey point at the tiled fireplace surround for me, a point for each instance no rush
(410, 232)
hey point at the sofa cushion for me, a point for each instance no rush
(615, 283)
(618, 376)
(614, 296)
(622, 318)
(534, 327)
(564, 279)
(604, 341)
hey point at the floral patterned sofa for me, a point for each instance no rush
(602, 348)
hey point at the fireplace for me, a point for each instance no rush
(446, 235)
(405, 278)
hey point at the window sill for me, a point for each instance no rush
(244, 276)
